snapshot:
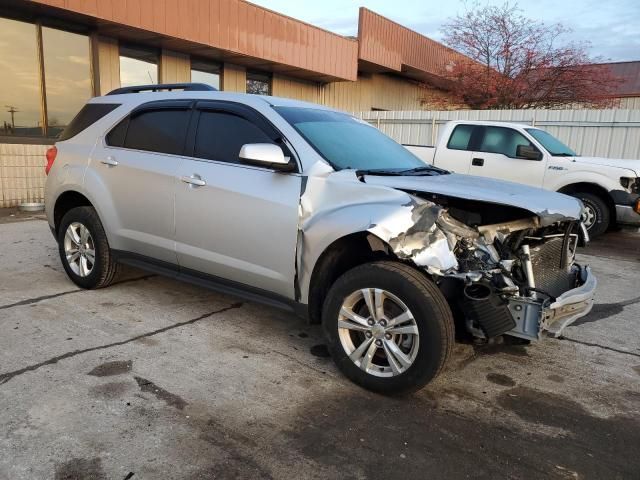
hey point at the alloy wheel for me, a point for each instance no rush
(588, 215)
(378, 332)
(79, 249)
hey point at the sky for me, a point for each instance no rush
(611, 26)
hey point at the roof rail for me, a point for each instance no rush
(186, 87)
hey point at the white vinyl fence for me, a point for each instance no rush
(599, 133)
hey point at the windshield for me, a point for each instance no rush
(348, 143)
(554, 146)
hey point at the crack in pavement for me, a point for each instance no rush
(5, 377)
(30, 301)
(611, 349)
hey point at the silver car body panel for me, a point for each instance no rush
(550, 207)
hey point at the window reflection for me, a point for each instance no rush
(138, 66)
(258, 83)
(206, 72)
(20, 107)
(67, 76)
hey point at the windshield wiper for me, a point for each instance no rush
(563, 154)
(425, 170)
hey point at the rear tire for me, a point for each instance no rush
(398, 358)
(597, 216)
(84, 249)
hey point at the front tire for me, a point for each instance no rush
(389, 328)
(596, 217)
(84, 249)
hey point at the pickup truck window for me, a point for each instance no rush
(554, 146)
(346, 142)
(502, 140)
(460, 137)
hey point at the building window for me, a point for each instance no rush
(258, 83)
(203, 71)
(20, 100)
(37, 60)
(138, 66)
(67, 76)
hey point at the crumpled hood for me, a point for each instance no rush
(633, 165)
(549, 206)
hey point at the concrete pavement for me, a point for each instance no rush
(155, 379)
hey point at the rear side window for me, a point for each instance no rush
(502, 140)
(87, 116)
(157, 130)
(220, 136)
(460, 137)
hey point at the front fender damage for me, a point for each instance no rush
(492, 265)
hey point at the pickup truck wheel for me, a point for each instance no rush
(596, 214)
(84, 250)
(389, 328)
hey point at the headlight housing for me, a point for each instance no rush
(632, 185)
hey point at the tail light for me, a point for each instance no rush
(51, 156)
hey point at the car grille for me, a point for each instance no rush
(549, 274)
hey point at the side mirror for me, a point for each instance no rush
(528, 152)
(266, 154)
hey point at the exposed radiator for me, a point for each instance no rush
(548, 272)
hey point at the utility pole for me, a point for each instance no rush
(12, 110)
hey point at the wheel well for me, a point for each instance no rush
(342, 255)
(66, 202)
(594, 190)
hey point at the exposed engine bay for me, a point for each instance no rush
(510, 272)
(502, 253)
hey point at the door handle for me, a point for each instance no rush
(477, 162)
(194, 180)
(111, 161)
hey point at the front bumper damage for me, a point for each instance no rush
(503, 253)
(526, 288)
(533, 318)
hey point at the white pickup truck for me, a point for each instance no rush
(609, 188)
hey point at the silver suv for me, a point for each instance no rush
(312, 210)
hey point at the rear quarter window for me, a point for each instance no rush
(87, 116)
(460, 137)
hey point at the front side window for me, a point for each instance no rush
(20, 104)
(554, 146)
(221, 135)
(258, 83)
(205, 72)
(67, 76)
(502, 140)
(138, 66)
(348, 143)
(158, 130)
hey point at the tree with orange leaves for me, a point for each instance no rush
(517, 62)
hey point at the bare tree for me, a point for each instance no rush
(517, 62)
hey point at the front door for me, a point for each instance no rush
(236, 221)
(496, 157)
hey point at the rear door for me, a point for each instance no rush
(236, 221)
(455, 156)
(495, 157)
(137, 162)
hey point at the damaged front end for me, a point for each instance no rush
(518, 277)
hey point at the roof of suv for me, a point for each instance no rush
(134, 99)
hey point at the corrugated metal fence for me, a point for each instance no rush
(600, 133)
